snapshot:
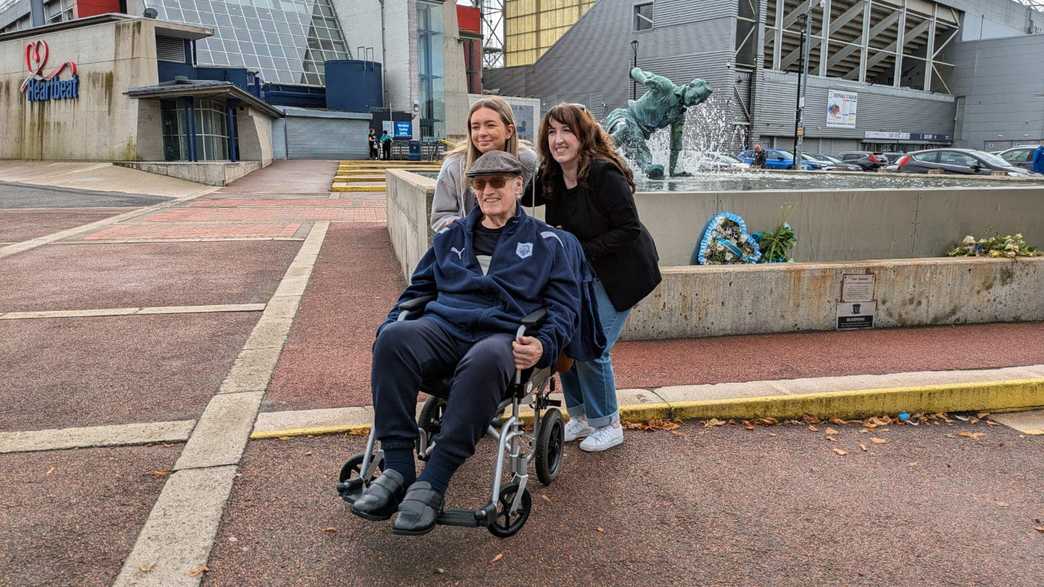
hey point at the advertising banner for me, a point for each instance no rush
(841, 109)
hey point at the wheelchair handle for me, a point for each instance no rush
(532, 319)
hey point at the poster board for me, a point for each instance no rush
(526, 112)
(841, 109)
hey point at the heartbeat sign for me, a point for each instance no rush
(41, 87)
(36, 55)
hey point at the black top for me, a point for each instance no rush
(485, 239)
(603, 217)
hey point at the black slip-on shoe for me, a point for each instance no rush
(381, 498)
(419, 510)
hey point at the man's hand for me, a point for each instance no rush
(527, 351)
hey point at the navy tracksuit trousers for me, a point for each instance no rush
(410, 351)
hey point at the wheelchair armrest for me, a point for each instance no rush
(530, 320)
(535, 317)
(415, 305)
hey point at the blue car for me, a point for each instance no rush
(777, 159)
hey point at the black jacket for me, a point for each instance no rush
(603, 217)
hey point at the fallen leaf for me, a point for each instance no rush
(51, 470)
(330, 530)
(748, 425)
(767, 421)
(440, 571)
(809, 419)
(284, 438)
(1039, 528)
(499, 556)
(830, 438)
(990, 423)
(197, 571)
(653, 425)
(971, 435)
(676, 433)
(714, 422)
(838, 421)
(308, 454)
(982, 414)
(147, 568)
(159, 473)
(813, 428)
(830, 430)
(840, 451)
(863, 446)
(877, 440)
(545, 498)
(772, 433)
(233, 539)
(1003, 504)
(600, 530)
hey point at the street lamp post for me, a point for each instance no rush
(799, 118)
(634, 84)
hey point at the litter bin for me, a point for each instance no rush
(415, 151)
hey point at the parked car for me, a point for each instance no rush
(1021, 156)
(835, 164)
(963, 161)
(776, 159)
(866, 160)
(892, 157)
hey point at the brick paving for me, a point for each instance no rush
(280, 214)
(348, 202)
(183, 231)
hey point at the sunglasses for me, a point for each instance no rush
(496, 182)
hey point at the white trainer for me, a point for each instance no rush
(603, 438)
(576, 428)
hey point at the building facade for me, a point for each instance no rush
(97, 89)
(414, 46)
(882, 74)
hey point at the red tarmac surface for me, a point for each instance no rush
(326, 360)
(71, 277)
(700, 506)
(71, 517)
(63, 372)
(287, 177)
(22, 225)
(823, 354)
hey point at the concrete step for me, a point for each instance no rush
(359, 178)
(356, 187)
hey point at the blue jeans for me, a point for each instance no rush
(589, 387)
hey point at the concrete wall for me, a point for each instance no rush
(255, 136)
(103, 123)
(747, 299)
(408, 199)
(754, 299)
(206, 172)
(851, 224)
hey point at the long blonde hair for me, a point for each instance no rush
(501, 107)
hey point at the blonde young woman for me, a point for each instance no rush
(491, 127)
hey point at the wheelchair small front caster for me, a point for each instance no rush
(505, 523)
(548, 447)
(350, 480)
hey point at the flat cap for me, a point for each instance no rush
(496, 163)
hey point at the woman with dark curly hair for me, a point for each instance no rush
(588, 190)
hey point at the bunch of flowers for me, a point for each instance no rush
(998, 246)
(776, 245)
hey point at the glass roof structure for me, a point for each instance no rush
(286, 41)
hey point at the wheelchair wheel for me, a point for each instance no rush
(430, 418)
(507, 524)
(351, 474)
(549, 446)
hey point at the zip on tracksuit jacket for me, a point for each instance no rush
(529, 269)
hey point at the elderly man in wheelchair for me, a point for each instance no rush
(488, 310)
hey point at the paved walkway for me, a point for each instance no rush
(144, 341)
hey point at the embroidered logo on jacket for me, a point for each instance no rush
(459, 252)
(524, 250)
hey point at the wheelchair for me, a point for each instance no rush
(510, 504)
